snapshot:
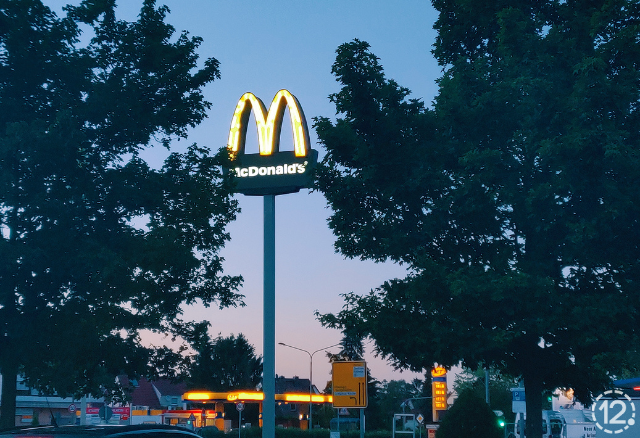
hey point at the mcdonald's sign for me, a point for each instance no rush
(271, 171)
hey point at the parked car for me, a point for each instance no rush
(104, 430)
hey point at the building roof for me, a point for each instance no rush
(294, 384)
(149, 393)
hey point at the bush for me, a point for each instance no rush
(469, 417)
(210, 432)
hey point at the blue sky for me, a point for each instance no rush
(264, 46)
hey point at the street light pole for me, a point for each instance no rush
(310, 375)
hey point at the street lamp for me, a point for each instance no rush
(310, 375)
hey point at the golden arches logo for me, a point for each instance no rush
(269, 124)
(271, 171)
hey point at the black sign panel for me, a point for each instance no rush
(275, 174)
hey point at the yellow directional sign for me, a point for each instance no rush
(349, 384)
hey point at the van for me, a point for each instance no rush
(553, 426)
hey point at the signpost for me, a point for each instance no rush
(518, 400)
(267, 174)
(105, 413)
(240, 408)
(438, 392)
(349, 384)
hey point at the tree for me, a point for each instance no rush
(167, 363)
(224, 364)
(95, 244)
(469, 417)
(352, 349)
(400, 396)
(514, 201)
(500, 397)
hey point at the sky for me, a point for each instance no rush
(265, 46)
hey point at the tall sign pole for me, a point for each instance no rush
(349, 383)
(269, 173)
(269, 321)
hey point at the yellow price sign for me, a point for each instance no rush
(438, 391)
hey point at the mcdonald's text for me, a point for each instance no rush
(271, 171)
(243, 172)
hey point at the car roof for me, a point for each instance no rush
(111, 431)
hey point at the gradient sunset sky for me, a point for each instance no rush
(265, 46)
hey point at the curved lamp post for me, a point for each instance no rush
(310, 374)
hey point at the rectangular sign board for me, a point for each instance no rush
(438, 392)
(518, 401)
(349, 382)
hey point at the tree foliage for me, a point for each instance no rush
(469, 417)
(400, 396)
(514, 200)
(96, 244)
(500, 396)
(224, 363)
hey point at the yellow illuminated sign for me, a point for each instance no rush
(349, 382)
(438, 391)
(269, 124)
(439, 394)
(304, 398)
(270, 172)
(245, 396)
(198, 396)
(235, 396)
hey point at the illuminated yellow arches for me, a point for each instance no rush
(269, 124)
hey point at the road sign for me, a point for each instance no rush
(105, 413)
(420, 418)
(518, 400)
(72, 407)
(349, 384)
(518, 394)
(240, 406)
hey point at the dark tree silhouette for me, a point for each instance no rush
(95, 244)
(514, 201)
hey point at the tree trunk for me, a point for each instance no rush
(533, 394)
(9, 392)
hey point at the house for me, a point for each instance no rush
(292, 414)
(153, 395)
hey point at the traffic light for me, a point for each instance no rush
(499, 418)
